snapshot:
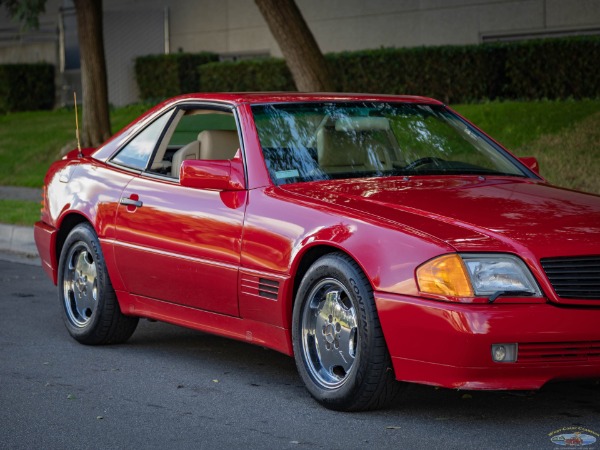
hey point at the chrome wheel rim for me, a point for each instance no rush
(80, 285)
(330, 339)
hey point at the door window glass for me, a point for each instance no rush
(137, 152)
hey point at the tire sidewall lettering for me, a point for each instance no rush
(356, 289)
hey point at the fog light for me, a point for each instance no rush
(504, 352)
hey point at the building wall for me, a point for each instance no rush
(235, 28)
(19, 45)
(23, 52)
(127, 35)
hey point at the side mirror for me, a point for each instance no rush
(220, 175)
(532, 163)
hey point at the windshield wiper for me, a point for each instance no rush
(497, 294)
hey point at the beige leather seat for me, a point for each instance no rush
(219, 144)
(337, 152)
(351, 150)
(189, 151)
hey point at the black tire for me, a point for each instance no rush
(91, 311)
(345, 363)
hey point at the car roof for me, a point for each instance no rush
(295, 97)
(235, 99)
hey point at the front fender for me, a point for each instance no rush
(281, 232)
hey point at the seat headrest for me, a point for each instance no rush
(338, 149)
(362, 124)
(218, 144)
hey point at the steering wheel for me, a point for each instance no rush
(423, 161)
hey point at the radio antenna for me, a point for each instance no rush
(77, 125)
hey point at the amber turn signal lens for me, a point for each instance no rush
(445, 275)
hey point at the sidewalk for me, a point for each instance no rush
(16, 242)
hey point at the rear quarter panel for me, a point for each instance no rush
(85, 189)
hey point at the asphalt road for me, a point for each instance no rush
(169, 387)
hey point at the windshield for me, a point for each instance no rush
(322, 141)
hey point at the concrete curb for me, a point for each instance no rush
(16, 242)
(18, 239)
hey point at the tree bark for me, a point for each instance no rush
(96, 122)
(297, 43)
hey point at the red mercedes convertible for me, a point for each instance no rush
(377, 239)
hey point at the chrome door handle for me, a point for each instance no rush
(131, 202)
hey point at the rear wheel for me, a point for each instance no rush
(339, 346)
(91, 310)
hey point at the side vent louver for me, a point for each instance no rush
(260, 287)
(268, 288)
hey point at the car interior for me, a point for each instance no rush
(331, 148)
(196, 134)
(313, 147)
(356, 144)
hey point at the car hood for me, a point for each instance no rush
(473, 213)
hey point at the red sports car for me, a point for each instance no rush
(375, 238)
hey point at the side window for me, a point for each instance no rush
(196, 134)
(137, 152)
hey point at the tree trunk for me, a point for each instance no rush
(297, 43)
(96, 122)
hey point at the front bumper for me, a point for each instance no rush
(449, 344)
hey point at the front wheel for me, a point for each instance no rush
(91, 310)
(339, 346)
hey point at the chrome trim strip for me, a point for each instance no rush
(208, 262)
(263, 274)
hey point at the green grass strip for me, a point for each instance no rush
(19, 212)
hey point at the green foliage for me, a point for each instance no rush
(554, 68)
(25, 11)
(563, 135)
(121, 117)
(26, 87)
(551, 68)
(570, 157)
(251, 75)
(449, 73)
(31, 141)
(516, 124)
(163, 76)
(19, 212)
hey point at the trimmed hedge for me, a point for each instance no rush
(26, 87)
(162, 76)
(468, 73)
(554, 69)
(269, 74)
(528, 70)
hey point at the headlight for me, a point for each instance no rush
(477, 275)
(490, 274)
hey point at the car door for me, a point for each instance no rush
(179, 244)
